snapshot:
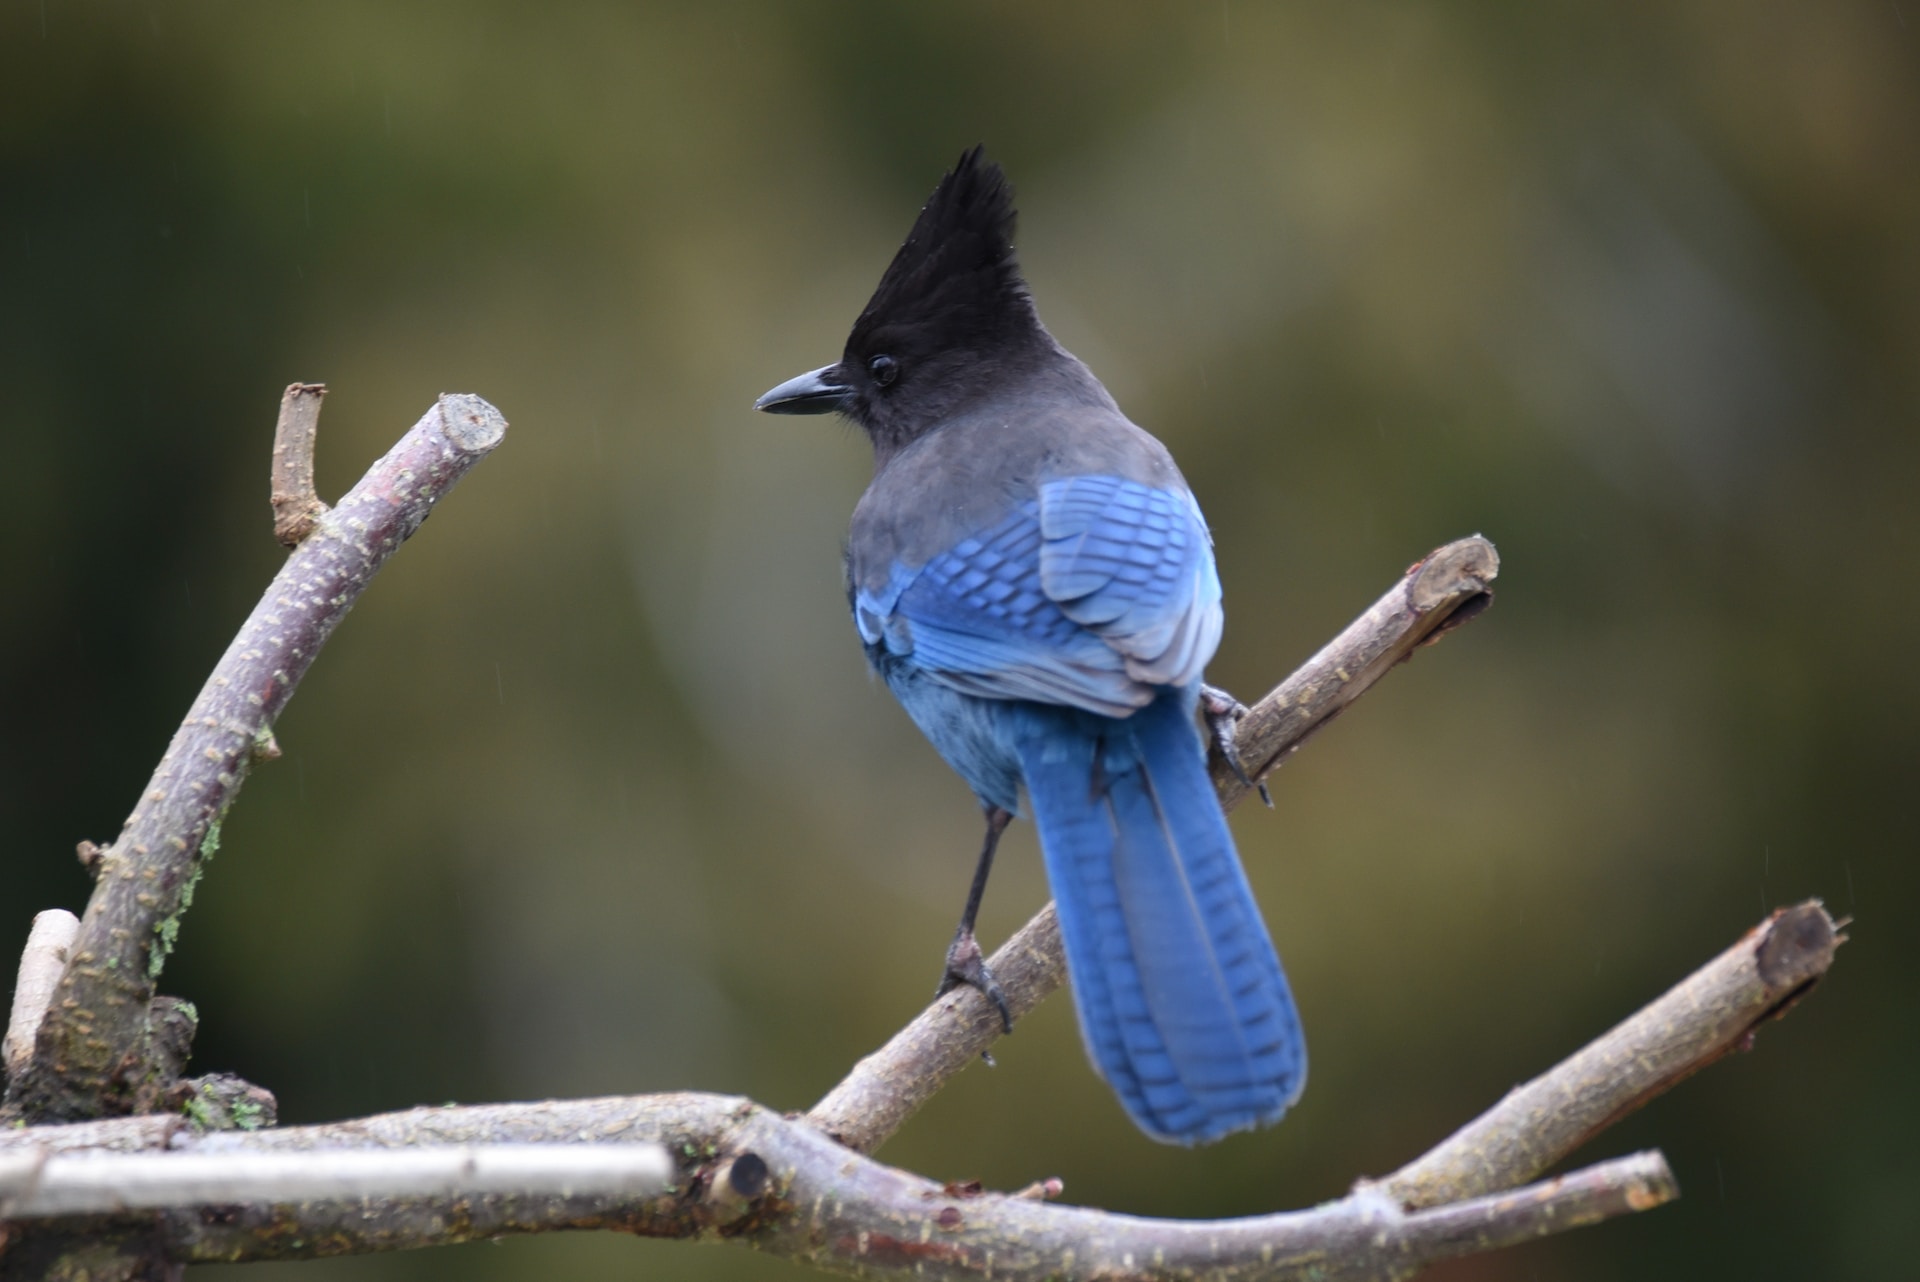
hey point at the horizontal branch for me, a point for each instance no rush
(1441, 591)
(36, 1184)
(1464, 1180)
(1639, 1182)
(90, 1055)
(743, 1171)
(1715, 1010)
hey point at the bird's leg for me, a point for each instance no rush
(965, 963)
(1223, 713)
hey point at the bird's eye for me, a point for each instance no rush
(884, 370)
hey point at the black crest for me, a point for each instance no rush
(955, 281)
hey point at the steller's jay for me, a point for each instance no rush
(1035, 583)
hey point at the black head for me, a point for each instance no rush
(949, 318)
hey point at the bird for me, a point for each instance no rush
(1032, 579)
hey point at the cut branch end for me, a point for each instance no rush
(296, 506)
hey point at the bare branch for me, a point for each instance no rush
(90, 1054)
(783, 1184)
(887, 1087)
(815, 1198)
(39, 1184)
(746, 1172)
(41, 962)
(296, 505)
(1639, 1182)
(1449, 587)
(1715, 1010)
(105, 1135)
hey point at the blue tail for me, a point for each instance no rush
(1182, 1002)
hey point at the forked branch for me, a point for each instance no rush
(743, 1171)
(93, 1051)
(791, 1185)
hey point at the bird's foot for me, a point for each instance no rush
(966, 965)
(1224, 713)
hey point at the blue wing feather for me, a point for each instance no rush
(1092, 595)
(1133, 563)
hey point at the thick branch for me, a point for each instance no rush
(749, 1173)
(296, 505)
(88, 1058)
(1715, 1010)
(887, 1087)
(821, 1203)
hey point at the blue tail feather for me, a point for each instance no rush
(1181, 999)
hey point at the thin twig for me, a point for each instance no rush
(296, 505)
(43, 1185)
(1450, 586)
(90, 1054)
(890, 1085)
(41, 962)
(1715, 1010)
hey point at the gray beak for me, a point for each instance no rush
(818, 392)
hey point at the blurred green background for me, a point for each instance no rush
(592, 793)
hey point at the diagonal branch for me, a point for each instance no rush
(90, 1054)
(1715, 1010)
(1448, 587)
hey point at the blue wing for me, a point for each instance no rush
(1095, 594)
(1134, 565)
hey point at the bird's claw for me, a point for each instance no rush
(966, 965)
(1223, 713)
